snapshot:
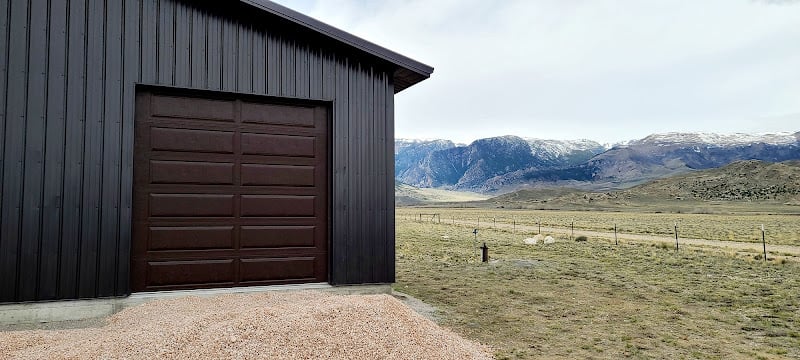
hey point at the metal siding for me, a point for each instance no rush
(273, 65)
(66, 229)
(198, 42)
(4, 33)
(93, 147)
(166, 42)
(229, 52)
(244, 67)
(108, 241)
(14, 150)
(388, 193)
(54, 154)
(149, 21)
(214, 53)
(183, 45)
(130, 74)
(73, 151)
(33, 174)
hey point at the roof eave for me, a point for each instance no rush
(409, 71)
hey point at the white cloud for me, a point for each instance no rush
(606, 70)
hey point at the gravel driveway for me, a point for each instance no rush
(273, 325)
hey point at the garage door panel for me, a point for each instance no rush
(194, 108)
(277, 236)
(287, 175)
(228, 192)
(206, 141)
(190, 172)
(191, 205)
(160, 273)
(282, 145)
(278, 114)
(277, 205)
(278, 268)
(191, 237)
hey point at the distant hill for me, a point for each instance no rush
(509, 163)
(409, 195)
(742, 181)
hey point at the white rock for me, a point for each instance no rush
(534, 240)
(549, 240)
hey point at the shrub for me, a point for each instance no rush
(581, 238)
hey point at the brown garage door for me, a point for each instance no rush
(228, 192)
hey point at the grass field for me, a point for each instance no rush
(783, 229)
(596, 300)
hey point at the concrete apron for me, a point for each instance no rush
(72, 310)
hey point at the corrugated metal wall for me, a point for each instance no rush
(67, 78)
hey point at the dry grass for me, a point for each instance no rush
(781, 229)
(596, 300)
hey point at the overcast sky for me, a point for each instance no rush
(568, 69)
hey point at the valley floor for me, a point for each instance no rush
(595, 299)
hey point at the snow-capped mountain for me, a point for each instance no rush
(719, 140)
(556, 150)
(506, 162)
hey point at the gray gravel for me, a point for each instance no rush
(274, 325)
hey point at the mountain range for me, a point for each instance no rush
(508, 163)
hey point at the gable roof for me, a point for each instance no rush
(408, 71)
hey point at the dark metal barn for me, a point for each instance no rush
(168, 144)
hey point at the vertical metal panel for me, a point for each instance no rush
(149, 35)
(93, 147)
(229, 44)
(54, 153)
(259, 62)
(389, 231)
(215, 53)
(244, 64)
(73, 151)
(340, 269)
(130, 74)
(198, 41)
(4, 34)
(14, 150)
(108, 241)
(273, 65)
(183, 45)
(288, 68)
(35, 123)
(166, 42)
(301, 71)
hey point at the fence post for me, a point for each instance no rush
(540, 225)
(572, 229)
(616, 242)
(676, 236)
(764, 241)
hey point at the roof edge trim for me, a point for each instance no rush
(340, 35)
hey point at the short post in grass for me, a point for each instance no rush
(676, 236)
(514, 222)
(475, 244)
(616, 242)
(764, 241)
(539, 220)
(572, 230)
(494, 222)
